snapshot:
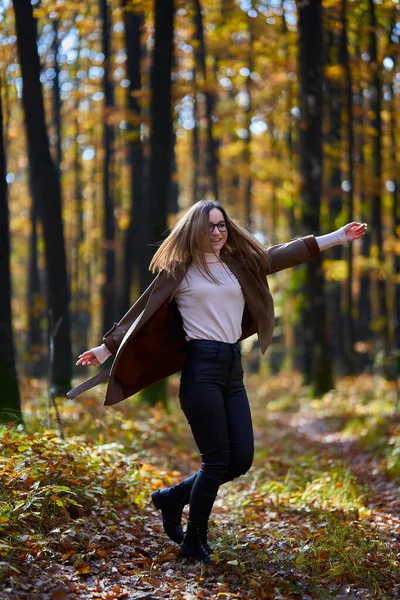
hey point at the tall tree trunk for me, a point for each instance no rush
(108, 290)
(35, 343)
(363, 331)
(377, 236)
(10, 406)
(363, 346)
(56, 96)
(159, 183)
(82, 279)
(318, 369)
(395, 203)
(161, 119)
(335, 203)
(211, 154)
(348, 103)
(247, 142)
(46, 191)
(134, 240)
(173, 204)
(195, 141)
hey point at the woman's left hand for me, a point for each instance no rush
(354, 230)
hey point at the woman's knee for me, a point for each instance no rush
(239, 466)
(216, 464)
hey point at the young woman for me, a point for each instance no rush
(210, 292)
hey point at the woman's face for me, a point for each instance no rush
(215, 239)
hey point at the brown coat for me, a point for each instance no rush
(149, 341)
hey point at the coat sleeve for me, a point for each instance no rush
(296, 252)
(114, 336)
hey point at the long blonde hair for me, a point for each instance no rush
(186, 243)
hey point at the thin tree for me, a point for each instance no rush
(46, 190)
(35, 365)
(348, 104)
(247, 183)
(159, 181)
(10, 405)
(376, 156)
(134, 240)
(108, 289)
(211, 153)
(317, 366)
(395, 199)
(333, 140)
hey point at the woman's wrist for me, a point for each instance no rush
(331, 239)
(101, 353)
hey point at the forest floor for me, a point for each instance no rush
(317, 516)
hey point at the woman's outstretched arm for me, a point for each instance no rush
(301, 250)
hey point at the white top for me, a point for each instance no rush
(211, 311)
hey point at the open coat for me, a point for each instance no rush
(149, 341)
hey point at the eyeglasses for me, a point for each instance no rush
(222, 227)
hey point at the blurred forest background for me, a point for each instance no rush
(116, 115)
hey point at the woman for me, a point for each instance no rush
(210, 292)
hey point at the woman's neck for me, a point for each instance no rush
(212, 257)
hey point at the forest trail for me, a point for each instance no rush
(317, 517)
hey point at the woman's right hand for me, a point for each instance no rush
(88, 359)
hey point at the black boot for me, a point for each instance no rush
(171, 502)
(195, 544)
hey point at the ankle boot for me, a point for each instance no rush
(171, 502)
(195, 544)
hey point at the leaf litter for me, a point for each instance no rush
(317, 516)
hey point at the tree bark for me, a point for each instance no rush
(247, 142)
(196, 195)
(348, 102)
(35, 365)
(10, 405)
(211, 154)
(45, 190)
(56, 97)
(395, 206)
(159, 182)
(317, 368)
(108, 289)
(377, 235)
(134, 240)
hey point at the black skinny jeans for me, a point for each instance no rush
(213, 397)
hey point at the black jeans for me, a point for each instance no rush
(214, 400)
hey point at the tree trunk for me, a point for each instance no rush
(56, 97)
(10, 406)
(159, 183)
(247, 142)
(196, 196)
(134, 240)
(46, 191)
(35, 365)
(318, 370)
(108, 289)
(395, 207)
(348, 102)
(211, 154)
(377, 237)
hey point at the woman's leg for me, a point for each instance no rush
(215, 403)
(203, 405)
(240, 426)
